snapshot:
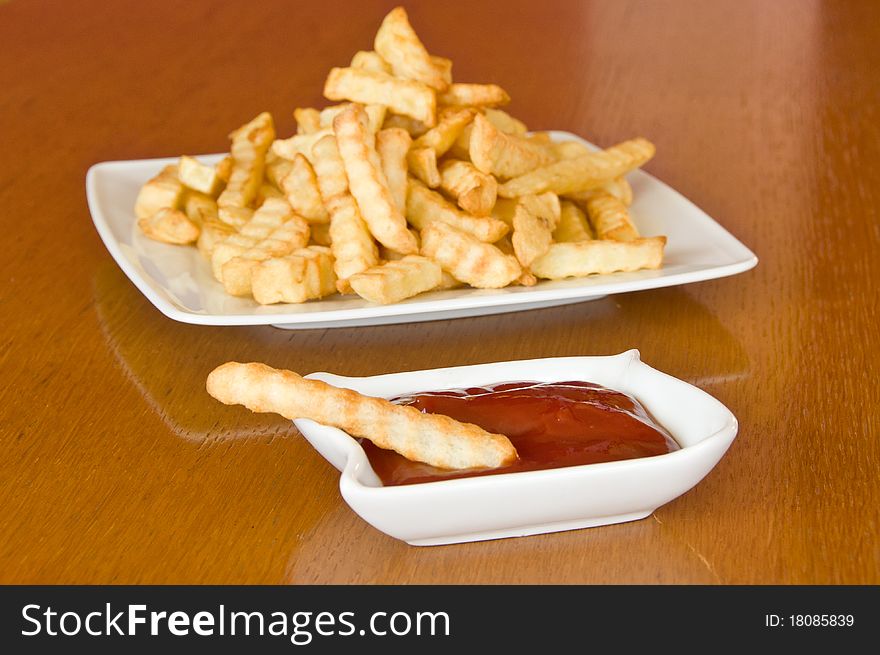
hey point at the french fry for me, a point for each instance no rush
(394, 281)
(474, 95)
(319, 234)
(375, 113)
(249, 145)
(573, 225)
(199, 207)
(300, 187)
(224, 169)
(425, 207)
(169, 226)
(447, 281)
(610, 219)
(392, 144)
(569, 149)
(441, 137)
(304, 274)
(237, 217)
(267, 190)
(298, 144)
(414, 127)
(406, 97)
(367, 181)
(423, 164)
(532, 235)
(582, 173)
(479, 264)
(618, 187)
(198, 176)
(398, 44)
(443, 66)
(543, 205)
(435, 439)
(504, 210)
(581, 258)
(213, 231)
(371, 61)
(308, 120)
(504, 122)
(162, 192)
(274, 215)
(329, 169)
(504, 155)
(350, 241)
(474, 191)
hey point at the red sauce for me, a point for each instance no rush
(551, 425)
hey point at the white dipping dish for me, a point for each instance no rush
(178, 281)
(532, 502)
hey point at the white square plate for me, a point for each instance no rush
(178, 281)
(532, 502)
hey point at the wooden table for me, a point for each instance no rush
(118, 468)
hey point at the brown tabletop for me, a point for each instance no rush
(117, 467)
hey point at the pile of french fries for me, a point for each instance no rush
(413, 183)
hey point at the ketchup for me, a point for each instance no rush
(551, 425)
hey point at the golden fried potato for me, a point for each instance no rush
(169, 226)
(504, 155)
(162, 192)
(474, 95)
(441, 137)
(435, 439)
(398, 44)
(392, 144)
(425, 207)
(413, 127)
(350, 240)
(329, 169)
(300, 187)
(532, 234)
(394, 281)
(199, 207)
(406, 97)
(582, 173)
(582, 258)
(423, 164)
(198, 176)
(481, 265)
(375, 113)
(371, 61)
(367, 181)
(298, 144)
(305, 274)
(308, 120)
(237, 217)
(213, 231)
(474, 191)
(610, 219)
(573, 225)
(504, 122)
(618, 187)
(249, 145)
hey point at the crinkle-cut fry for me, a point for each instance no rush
(237, 273)
(199, 207)
(618, 187)
(444, 68)
(213, 232)
(504, 122)
(249, 145)
(367, 182)
(375, 113)
(504, 155)
(393, 144)
(308, 120)
(532, 235)
(610, 219)
(350, 240)
(394, 281)
(544, 205)
(298, 144)
(423, 164)
(169, 226)
(424, 207)
(473, 95)
(434, 439)
(474, 191)
(272, 215)
(197, 176)
(406, 97)
(397, 43)
(163, 191)
(319, 234)
(411, 125)
(370, 60)
(481, 265)
(305, 274)
(570, 149)
(573, 224)
(581, 258)
(237, 217)
(267, 190)
(441, 137)
(300, 187)
(224, 169)
(582, 173)
(329, 169)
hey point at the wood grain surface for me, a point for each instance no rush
(117, 467)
